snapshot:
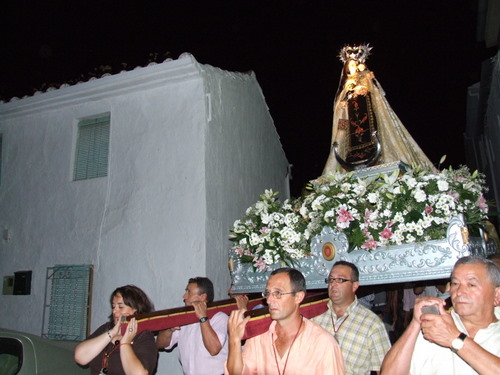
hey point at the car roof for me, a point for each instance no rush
(44, 356)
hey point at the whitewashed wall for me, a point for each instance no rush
(191, 147)
(244, 157)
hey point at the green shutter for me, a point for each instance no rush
(92, 149)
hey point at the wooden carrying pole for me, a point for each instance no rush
(312, 305)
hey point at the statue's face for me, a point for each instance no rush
(352, 66)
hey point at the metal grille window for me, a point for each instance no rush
(92, 149)
(67, 302)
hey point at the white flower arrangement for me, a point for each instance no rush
(269, 233)
(389, 209)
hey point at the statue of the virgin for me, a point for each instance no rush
(366, 131)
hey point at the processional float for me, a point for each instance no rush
(371, 150)
(406, 223)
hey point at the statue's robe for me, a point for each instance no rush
(360, 108)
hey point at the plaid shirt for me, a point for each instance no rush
(362, 337)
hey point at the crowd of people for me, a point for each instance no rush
(451, 328)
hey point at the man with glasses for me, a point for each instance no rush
(292, 345)
(361, 333)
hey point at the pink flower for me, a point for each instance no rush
(428, 209)
(386, 233)
(481, 202)
(264, 230)
(261, 266)
(344, 216)
(239, 251)
(370, 244)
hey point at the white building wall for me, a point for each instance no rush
(183, 166)
(243, 158)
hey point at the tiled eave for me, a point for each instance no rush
(151, 76)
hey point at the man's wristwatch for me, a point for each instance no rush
(458, 343)
(203, 320)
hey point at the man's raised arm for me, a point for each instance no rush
(236, 328)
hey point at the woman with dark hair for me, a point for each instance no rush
(106, 351)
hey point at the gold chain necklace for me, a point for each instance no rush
(289, 350)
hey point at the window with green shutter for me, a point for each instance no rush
(92, 149)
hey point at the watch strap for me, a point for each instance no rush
(203, 320)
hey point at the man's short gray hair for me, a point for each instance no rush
(491, 268)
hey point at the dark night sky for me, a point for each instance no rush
(425, 56)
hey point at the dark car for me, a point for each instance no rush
(26, 354)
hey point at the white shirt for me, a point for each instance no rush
(429, 358)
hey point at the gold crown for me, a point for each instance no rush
(359, 53)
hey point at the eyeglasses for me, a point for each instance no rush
(338, 280)
(276, 294)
